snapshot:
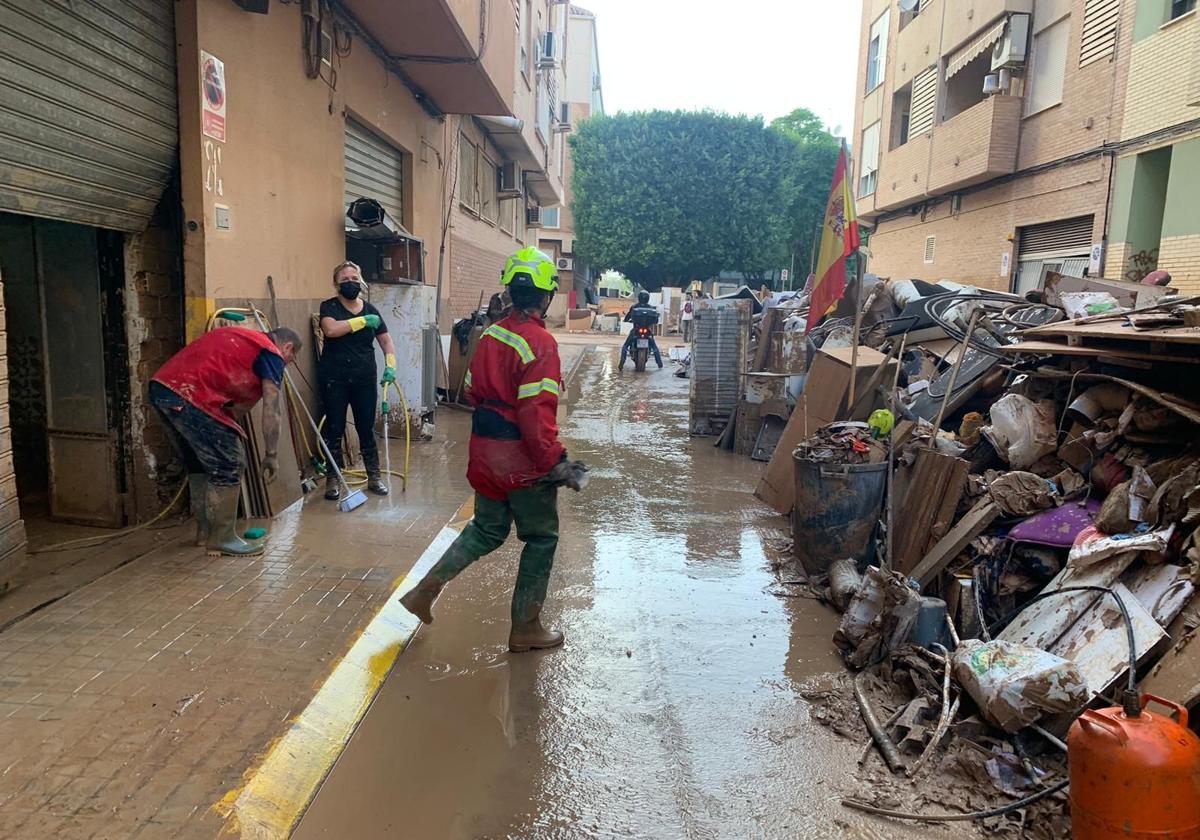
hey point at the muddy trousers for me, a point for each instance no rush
(535, 512)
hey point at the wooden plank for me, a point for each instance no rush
(1177, 674)
(948, 547)
(925, 511)
(1099, 644)
(768, 325)
(1116, 330)
(1053, 348)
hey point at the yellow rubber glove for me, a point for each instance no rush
(364, 321)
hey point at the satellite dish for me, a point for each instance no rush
(908, 5)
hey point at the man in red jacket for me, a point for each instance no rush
(200, 394)
(516, 461)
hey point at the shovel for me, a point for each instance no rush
(350, 498)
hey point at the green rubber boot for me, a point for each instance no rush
(198, 493)
(222, 519)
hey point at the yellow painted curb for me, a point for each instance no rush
(274, 795)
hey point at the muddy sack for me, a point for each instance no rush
(1015, 685)
(879, 619)
(1022, 431)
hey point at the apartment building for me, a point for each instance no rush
(169, 158)
(583, 96)
(986, 135)
(1155, 223)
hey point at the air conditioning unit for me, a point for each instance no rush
(533, 217)
(1012, 49)
(509, 176)
(546, 56)
(565, 264)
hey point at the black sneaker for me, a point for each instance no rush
(332, 490)
(376, 484)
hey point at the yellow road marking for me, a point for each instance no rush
(274, 795)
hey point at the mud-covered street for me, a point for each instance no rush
(675, 708)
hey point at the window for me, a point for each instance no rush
(869, 166)
(877, 52)
(524, 33)
(508, 212)
(930, 249)
(468, 184)
(550, 217)
(1049, 67)
(1179, 8)
(489, 203)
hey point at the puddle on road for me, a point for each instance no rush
(674, 709)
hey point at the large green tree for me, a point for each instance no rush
(669, 196)
(815, 151)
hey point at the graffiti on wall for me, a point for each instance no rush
(1141, 264)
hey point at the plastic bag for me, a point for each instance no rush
(1022, 431)
(1014, 685)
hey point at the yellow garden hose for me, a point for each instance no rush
(103, 537)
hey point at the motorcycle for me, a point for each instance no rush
(641, 348)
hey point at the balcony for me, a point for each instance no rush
(904, 173)
(437, 44)
(963, 24)
(918, 44)
(977, 145)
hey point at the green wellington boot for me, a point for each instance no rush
(222, 519)
(198, 492)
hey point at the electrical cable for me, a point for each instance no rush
(974, 815)
(100, 538)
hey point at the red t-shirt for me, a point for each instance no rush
(218, 374)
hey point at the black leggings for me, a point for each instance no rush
(359, 393)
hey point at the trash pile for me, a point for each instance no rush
(1012, 488)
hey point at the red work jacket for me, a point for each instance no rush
(215, 373)
(514, 383)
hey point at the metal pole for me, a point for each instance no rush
(958, 363)
(891, 502)
(851, 399)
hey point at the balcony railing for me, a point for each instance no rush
(977, 145)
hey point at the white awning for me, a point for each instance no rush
(976, 48)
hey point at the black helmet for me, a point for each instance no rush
(643, 297)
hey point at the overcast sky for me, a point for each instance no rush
(753, 56)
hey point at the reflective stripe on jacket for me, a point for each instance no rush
(515, 374)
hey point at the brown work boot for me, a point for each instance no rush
(333, 488)
(531, 635)
(419, 600)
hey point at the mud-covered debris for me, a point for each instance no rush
(879, 618)
(1015, 685)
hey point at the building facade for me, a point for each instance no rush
(1155, 223)
(583, 97)
(174, 157)
(986, 136)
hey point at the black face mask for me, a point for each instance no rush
(349, 289)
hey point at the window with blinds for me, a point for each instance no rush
(924, 102)
(1057, 239)
(1099, 30)
(1049, 67)
(374, 169)
(869, 165)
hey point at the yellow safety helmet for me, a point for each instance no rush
(530, 267)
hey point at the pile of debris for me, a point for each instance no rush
(1036, 552)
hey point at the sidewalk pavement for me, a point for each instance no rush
(140, 704)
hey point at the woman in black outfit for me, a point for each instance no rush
(346, 372)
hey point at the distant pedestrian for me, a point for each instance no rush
(346, 373)
(200, 394)
(685, 319)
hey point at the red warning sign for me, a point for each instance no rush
(212, 96)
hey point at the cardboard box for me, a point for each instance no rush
(828, 381)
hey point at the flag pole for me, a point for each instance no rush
(852, 399)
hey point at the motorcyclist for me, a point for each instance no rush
(641, 314)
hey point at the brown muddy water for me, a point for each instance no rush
(674, 709)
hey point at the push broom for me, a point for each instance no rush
(350, 498)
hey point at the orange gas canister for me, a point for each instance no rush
(1134, 777)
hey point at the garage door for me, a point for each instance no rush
(374, 169)
(88, 109)
(1064, 246)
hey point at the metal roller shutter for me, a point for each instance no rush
(374, 169)
(88, 114)
(1057, 239)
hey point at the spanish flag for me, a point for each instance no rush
(839, 239)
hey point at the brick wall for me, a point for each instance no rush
(970, 242)
(1180, 255)
(12, 527)
(154, 330)
(473, 269)
(1160, 78)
